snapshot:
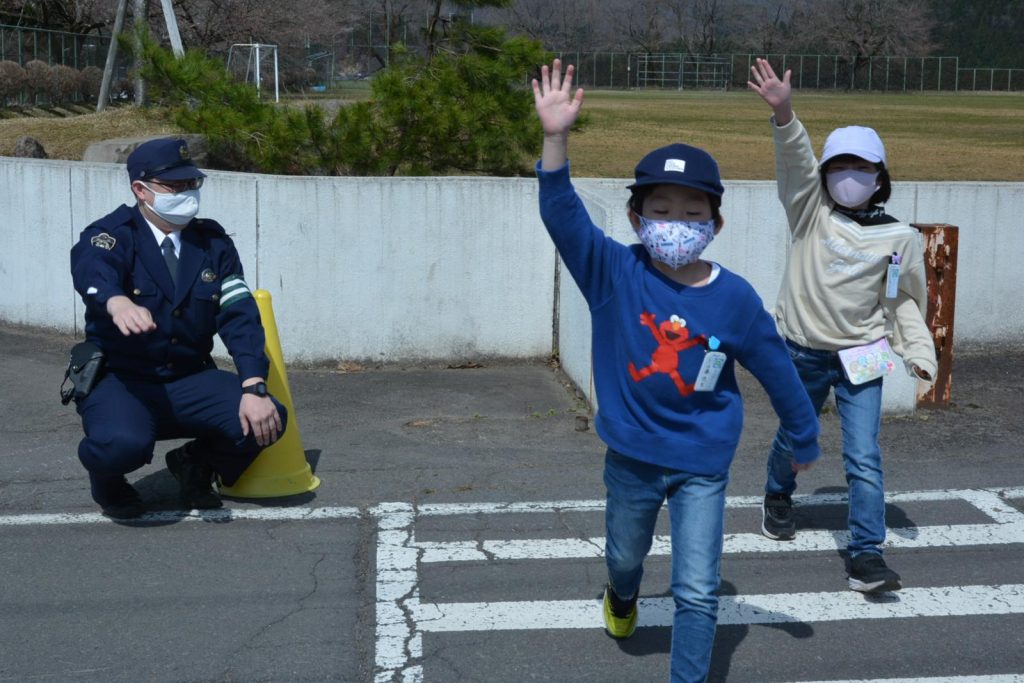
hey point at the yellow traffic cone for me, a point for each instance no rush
(281, 469)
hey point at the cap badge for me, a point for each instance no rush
(103, 241)
(678, 165)
(208, 275)
(183, 152)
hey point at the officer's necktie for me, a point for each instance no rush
(167, 247)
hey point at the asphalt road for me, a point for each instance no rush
(456, 537)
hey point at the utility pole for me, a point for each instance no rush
(172, 28)
(140, 8)
(108, 68)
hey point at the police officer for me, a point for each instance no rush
(158, 283)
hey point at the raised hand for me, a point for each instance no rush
(777, 93)
(557, 107)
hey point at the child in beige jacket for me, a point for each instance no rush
(854, 285)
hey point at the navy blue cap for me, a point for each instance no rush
(679, 164)
(163, 159)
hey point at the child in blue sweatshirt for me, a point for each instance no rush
(667, 329)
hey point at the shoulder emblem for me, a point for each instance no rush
(103, 241)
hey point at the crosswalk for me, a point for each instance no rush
(403, 618)
(993, 518)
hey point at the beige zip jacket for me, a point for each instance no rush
(833, 290)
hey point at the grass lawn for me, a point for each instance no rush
(928, 136)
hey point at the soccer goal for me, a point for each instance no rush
(255, 63)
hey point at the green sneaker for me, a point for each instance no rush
(616, 626)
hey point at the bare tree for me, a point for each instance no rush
(866, 28)
(565, 24)
(644, 25)
(762, 25)
(74, 16)
(214, 25)
(707, 20)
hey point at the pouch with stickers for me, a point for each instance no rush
(84, 371)
(868, 362)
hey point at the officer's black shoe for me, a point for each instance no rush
(116, 497)
(195, 478)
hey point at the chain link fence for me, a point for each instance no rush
(624, 70)
(356, 57)
(22, 45)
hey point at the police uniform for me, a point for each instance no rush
(163, 384)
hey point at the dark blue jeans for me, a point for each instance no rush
(123, 418)
(696, 506)
(860, 417)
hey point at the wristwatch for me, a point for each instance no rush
(258, 389)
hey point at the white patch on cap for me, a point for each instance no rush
(678, 165)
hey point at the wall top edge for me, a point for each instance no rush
(463, 179)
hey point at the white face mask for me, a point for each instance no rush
(178, 208)
(675, 243)
(851, 188)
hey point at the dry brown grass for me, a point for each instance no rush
(67, 138)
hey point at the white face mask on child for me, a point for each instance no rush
(675, 243)
(851, 188)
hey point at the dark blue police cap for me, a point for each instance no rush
(680, 164)
(163, 159)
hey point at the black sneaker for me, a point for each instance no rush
(195, 478)
(116, 497)
(868, 574)
(777, 521)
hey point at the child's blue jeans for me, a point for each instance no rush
(860, 416)
(696, 505)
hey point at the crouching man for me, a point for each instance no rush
(157, 284)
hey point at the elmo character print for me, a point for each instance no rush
(673, 338)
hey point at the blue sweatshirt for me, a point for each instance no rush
(650, 336)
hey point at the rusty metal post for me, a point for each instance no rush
(940, 254)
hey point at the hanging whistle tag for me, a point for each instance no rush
(892, 277)
(711, 368)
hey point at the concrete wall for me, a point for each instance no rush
(407, 269)
(382, 269)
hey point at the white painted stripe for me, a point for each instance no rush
(220, 515)
(994, 505)
(992, 502)
(732, 502)
(440, 509)
(994, 678)
(805, 541)
(397, 596)
(944, 601)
